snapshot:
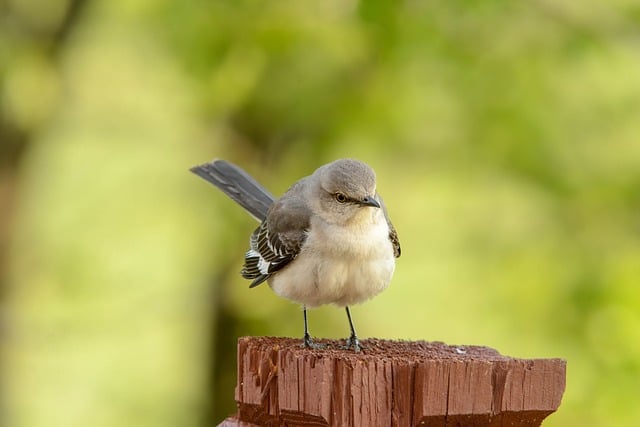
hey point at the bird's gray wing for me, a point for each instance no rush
(238, 185)
(278, 239)
(393, 235)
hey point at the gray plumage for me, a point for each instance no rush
(238, 185)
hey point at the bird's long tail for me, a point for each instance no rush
(238, 185)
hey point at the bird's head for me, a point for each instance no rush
(346, 191)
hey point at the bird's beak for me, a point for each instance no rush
(370, 201)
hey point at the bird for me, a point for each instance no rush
(327, 240)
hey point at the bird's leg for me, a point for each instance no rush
(307, 342)
(352, 341)
(306, 338)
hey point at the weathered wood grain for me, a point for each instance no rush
(397, 383)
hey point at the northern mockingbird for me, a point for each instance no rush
(327, 240)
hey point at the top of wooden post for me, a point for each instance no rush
(399, 383)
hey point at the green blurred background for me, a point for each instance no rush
(506, 140)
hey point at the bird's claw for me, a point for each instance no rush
(353, 343)
(307, 342)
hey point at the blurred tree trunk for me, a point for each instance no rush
(16, 137)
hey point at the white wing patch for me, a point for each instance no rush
(263, 264)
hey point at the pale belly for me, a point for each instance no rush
(341, 270)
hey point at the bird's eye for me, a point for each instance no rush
(340, 198)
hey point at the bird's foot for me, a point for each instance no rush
(307, 342)
(353, 343)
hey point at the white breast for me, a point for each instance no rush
(339, 265)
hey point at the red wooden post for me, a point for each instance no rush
(397, 383)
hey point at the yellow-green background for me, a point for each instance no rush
(505, 135)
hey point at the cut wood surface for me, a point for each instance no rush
(391, 383)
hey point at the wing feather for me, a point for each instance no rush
(278, 239)
(393, 235)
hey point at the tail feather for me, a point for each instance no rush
(238, 185)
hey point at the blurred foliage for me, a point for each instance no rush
(504, 134)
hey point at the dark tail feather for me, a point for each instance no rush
(238, 185)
